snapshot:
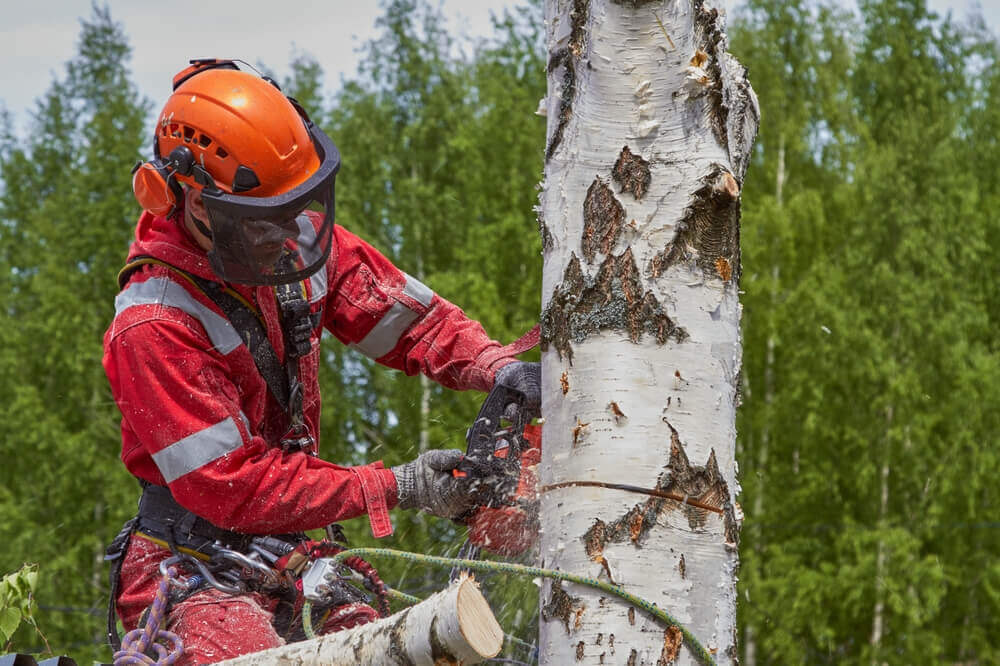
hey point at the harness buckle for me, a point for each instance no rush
(298, 438)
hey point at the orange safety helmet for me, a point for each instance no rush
(259, 162)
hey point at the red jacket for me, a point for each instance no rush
(198, 417)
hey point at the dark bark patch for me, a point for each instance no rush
(593, 544)
(603, 218)
(440, 653)
(543, 230)
(704, 484)
(709, 231)
(710, 40)
(633, 658)
(682, 567)
(562, 606)
(579, 651)
(566, 58)
(397, 641)
(631, 615)
(612, 300)
(672, 639)
(631, 172)
(567, 92)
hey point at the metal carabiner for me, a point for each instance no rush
(241, 560)
(183, 558)
(165, 569)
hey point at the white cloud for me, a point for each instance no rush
(36, 39)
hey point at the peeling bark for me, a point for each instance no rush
(562, 606)
(709, 232)
(613, 300)
(566, 59)
(672, 639)
(546, 235)
(603, 218)
(631, 172)
(705, 484)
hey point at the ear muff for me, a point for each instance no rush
(155, 187)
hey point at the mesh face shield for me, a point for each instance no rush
(249, 234)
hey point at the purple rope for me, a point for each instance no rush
(138, 641)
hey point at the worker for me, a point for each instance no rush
(236, 268)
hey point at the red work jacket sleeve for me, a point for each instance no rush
(182, 412)
(395, 319)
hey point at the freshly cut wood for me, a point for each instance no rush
(454, 626)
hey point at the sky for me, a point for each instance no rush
(37, 38)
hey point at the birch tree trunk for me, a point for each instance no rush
(650, 124)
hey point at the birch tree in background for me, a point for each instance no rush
(650, 125)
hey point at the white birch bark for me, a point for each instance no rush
(454, 626)
(650, 127)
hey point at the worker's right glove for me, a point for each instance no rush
(427, 483)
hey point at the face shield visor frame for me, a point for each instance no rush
(251, 234)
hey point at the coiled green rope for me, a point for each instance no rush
(696, 648)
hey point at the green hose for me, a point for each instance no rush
(696, 648)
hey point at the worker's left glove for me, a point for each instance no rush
(525, 378)
(427, 483)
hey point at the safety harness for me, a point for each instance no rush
(297, 324)
(160, 518)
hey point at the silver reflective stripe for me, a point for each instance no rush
(197, 450)
(418, 291)
(163, 291)
(381, 339)
(310, 254)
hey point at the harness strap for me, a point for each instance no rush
(244, 318)
(115, 554)
(161, 517)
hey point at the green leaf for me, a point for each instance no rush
(10, 618)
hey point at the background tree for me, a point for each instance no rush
(878, 324)
(67, 213)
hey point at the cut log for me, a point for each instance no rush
(454, 626)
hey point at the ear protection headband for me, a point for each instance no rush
(155, 182)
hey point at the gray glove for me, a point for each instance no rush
(427, 483)
(525, 378)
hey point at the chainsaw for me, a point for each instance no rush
(494, 445)
(503, 447)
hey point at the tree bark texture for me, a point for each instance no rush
(454, 626)
(650, 125)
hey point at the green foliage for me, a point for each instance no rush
(869, 349)
(17, 599)
(67, 212)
